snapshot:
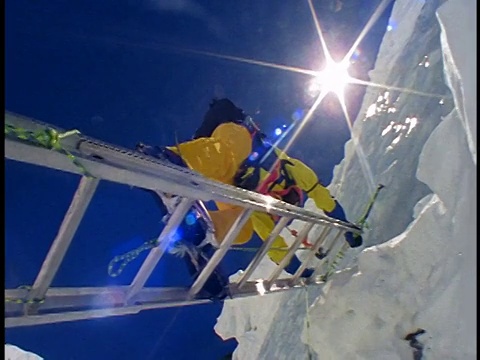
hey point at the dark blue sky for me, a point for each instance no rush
(107, 68)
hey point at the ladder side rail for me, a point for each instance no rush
(250, 289)
(144, 163)
(22, 152)
(124, 160)
(28, 123)
(53, 318)
(60, 299)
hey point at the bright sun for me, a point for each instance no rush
(333, 78)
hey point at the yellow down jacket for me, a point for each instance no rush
(218, 157)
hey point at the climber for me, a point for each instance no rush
(229, 147)
(287, 178)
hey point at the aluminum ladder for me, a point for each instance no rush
(43, 304)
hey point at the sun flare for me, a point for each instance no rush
(334, 78)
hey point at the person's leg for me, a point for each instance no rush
(263, 225)
(189, 235)
(223, 220)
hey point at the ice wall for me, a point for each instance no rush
(422, 273)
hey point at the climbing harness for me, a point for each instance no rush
(249, 173)
(248, 177)
(47, 138)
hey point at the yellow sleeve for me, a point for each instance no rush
(307, 180)
(263, 225)
(219, 156)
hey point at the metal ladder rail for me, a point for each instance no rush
(117, 164)
(268, 204)
(73, 304)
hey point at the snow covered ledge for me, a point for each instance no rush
(13, 352)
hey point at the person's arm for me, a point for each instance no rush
(307, 180)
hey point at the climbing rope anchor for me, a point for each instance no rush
(47, 138)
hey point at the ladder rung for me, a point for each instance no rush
(221, 251)
(288, 256)
(263, 251)
(163, 241)
(318, 242)
(82, 197)
(333, 249)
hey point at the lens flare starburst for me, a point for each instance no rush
(334, 78)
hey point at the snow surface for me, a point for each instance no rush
(13, 352)
(418, 268)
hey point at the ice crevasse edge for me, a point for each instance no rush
(424, 277)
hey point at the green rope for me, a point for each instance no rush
(129, 257)
(24, 301)
(361, 222)
(307, 324)
(331, 267)
(47, 138)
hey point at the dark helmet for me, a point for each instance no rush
(221, 111)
